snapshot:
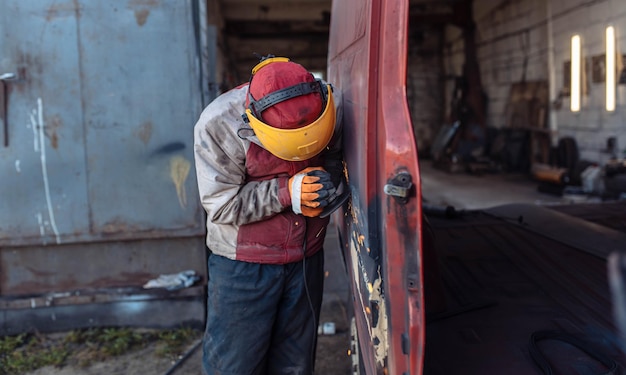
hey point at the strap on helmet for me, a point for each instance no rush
(258, 106)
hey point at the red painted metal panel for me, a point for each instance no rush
(381, 232)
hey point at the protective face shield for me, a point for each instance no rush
(291, 113)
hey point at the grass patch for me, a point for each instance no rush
(27, 352)
(171, 343)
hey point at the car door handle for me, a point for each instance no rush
(399, 187)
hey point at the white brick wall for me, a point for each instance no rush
(509, 32)
(424, 89)
(592, 125)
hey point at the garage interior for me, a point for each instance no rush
(489, 83)
(511, 101)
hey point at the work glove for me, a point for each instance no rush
(327, 192)
(305, 188)
(333, 194)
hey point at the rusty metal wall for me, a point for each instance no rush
(99, 121)
(97, 184)
(32, 270)
(81, 285)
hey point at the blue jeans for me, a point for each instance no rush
(262, 318)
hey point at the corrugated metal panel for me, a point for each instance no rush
(43, 195)
(97, 184)
(100, 119)
(99, 284)
(140, 102)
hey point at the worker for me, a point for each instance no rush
(268, 162)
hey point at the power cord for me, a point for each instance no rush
(308, 296)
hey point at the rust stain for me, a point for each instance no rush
(144, 132)
(59, 10)
(149, 3)
(117, 226)
(142, 9)
(27, 66)
(40, 273)
(52, 126)
(141, 15)
(361, 240)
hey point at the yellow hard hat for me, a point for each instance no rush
(294, 115)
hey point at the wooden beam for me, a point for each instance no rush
(264, 11)
(277, 29)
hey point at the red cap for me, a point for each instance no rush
(292, 113)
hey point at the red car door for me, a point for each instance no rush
(380, 229)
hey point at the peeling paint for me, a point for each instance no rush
(374, 306)
(51, 130)
(17, 166)
(62, 10)
(142, 9)
(379, 332)
(144, 132)
(355, 218)
(378, 328)
(179, 170)
(117, 225)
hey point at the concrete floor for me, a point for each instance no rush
(466, 191)
(461, 190)
(439, 188)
